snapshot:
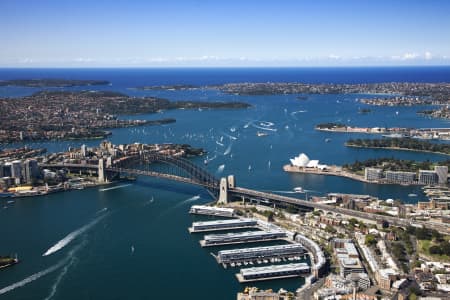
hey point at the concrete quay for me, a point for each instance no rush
(330, 170)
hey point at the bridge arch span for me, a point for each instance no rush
(182, 170)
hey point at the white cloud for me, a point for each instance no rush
(26, 60)
(409, 55)
(83, 60)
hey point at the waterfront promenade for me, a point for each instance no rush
(330, 170)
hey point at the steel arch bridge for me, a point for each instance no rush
(174, 168)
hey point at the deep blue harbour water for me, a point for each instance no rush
(99, 264)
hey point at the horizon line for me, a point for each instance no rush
(225, 67)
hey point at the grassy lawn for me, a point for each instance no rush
(424, 246)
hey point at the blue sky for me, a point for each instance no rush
(100, 33)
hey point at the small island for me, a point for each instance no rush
(400, 144)
(43, 83)
(7, 261)
(331, 127)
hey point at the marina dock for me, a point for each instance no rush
(273, 272)
(241, 237)
(222, 225)
(212, 211)
(278, 253)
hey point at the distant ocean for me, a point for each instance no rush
(205, 76)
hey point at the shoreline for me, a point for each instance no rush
(85, 186)
(337, 171)
(396, 148)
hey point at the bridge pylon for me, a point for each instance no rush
(231, 182)
(223, 192)
(225, 184)
(101, 171)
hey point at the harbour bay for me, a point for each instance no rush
(167, 261)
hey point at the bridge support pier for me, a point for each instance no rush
(101, 171)
(223, 193)
(225, 184)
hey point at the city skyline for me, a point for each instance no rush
(232, 34)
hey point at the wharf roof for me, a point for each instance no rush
(266, 248)
(212, 208)
(242, 234)
(274, 268)
(218, 222)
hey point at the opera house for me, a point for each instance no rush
(303, 161)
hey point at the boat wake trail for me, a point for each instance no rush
(42, 273)
(148, 201)
(207, 160)
(194, 198)
(72, 258)
(265, 128)
(32, 278)
(228, 150)
(71, 236)
(229, 136)
(220, 169)
(284, 192)
(298, 111)
(114, 187)
(102, 210)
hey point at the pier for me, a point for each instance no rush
(260, 255)
(273, 272)
(222, 225)
(241, 237)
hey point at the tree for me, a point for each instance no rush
(330, 229)
(436, 235)
(370, 240)
(352, 222)
(435, 250)
(270, 216)
(445, 246)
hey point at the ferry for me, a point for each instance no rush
(7, 261)
(299, 189)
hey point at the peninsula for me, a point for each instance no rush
(54, 115)
(411, 93)
(173, 87)
(393, 132)
(400, 144)
(30, 172)
(377, 170)
(440, 113)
